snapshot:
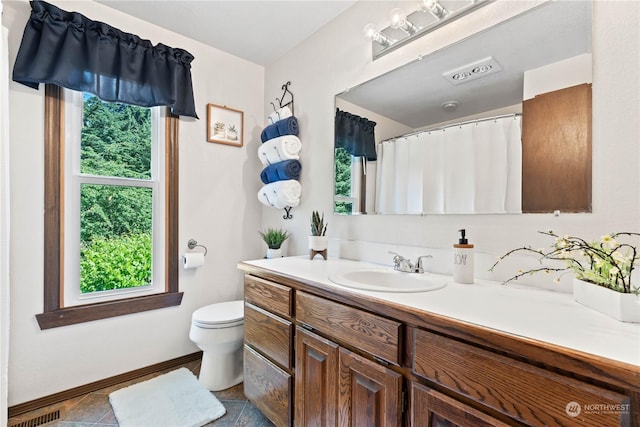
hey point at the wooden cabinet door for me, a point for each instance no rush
(316, 380)
(556, 151)
(432, 409)
(370, 394)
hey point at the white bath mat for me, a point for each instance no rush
(175, 399)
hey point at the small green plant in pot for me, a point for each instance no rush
(274, 237)
(318, 242)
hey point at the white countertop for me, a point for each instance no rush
(546, 316)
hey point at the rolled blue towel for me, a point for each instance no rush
(281, 171)
(288, 126)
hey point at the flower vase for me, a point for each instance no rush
(620, 306)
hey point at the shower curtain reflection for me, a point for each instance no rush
(469, 168)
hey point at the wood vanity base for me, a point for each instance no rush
(347, 359)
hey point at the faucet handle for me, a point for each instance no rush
(419, 268)
(401, 263)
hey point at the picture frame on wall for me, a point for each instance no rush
(225, 125)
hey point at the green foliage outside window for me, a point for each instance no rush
(116, 263)
(342, 180)
(116, 221)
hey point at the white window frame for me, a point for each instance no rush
(73, 179)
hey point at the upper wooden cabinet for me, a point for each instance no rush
(556, 151)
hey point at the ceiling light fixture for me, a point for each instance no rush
(481, 68)
(404, 28)
(450, 106)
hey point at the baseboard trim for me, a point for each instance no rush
(97, 385)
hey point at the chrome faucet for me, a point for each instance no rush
(401, 263)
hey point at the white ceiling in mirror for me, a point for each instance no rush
(414, 94)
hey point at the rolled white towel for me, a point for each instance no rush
(279, 149)
(280, 114)
(280, 194)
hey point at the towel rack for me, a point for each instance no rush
(285, 88)
(192, 244)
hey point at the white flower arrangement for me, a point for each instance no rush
(607, 263)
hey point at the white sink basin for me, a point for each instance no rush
(388, 280)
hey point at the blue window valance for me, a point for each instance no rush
(355, 134)
(69, 50)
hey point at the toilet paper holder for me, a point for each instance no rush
(192, 243)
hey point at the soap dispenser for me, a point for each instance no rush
(463, 260)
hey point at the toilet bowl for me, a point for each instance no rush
(218, 330)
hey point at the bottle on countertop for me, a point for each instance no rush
(463, 260)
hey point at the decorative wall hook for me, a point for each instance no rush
(281, 100)
(287, 210)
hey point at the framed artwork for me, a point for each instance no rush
(225, 125)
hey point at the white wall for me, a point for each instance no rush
(559, 75)
(4, 225)
(338, 57)
(218, 208)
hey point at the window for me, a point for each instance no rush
(349, 183)
(343, 199)
(110, 241)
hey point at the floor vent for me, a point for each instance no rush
(39, 420)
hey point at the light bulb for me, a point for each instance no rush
(397, 18)
(399, 21)
(369, 31)
(433, 7)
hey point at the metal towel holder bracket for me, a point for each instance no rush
(192, 244)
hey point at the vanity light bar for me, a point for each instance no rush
(402, 31)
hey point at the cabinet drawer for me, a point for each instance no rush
(268, 387)
(430, 408)
(356, 328)
(268, 333)
(526, 393)
(268, 295)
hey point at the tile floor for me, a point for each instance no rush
(93, 409)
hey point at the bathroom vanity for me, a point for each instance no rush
(320, 354)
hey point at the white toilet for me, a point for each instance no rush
(218, 330)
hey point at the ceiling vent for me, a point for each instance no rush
(475, 70)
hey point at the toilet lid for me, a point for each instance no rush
(223, 314)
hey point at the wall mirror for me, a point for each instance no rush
(482, 81)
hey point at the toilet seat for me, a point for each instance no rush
(220, 315)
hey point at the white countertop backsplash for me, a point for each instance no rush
(525, 311)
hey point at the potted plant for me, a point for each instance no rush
(218, 129)
(318, 241)
(602, 271)
(274, 237)
(232, 133)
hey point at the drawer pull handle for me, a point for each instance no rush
(381, 361)
(305, 326)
